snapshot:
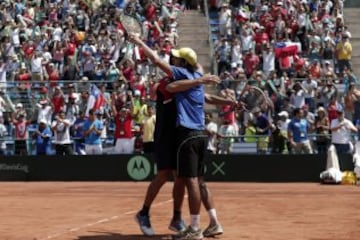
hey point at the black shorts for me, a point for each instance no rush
(165, 153)
(20, 145)
(191, 152)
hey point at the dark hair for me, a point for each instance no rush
(296, 111)
(91, 112)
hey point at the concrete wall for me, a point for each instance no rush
(352, 3)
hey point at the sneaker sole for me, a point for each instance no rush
(174, 229)
(213, 234)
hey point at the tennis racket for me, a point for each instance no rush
(131, 24)
(253, 97)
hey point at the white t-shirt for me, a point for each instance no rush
(298, 99)
(342, 135)
(44, 114)
(310, 87)
(62, 132)
(268, 61)
(212, 128)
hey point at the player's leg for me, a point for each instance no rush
(214, 228)
(190, 145)
(143, 216)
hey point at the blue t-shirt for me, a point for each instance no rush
(262, 122)
(189, 103)
(299, 129)
(43, 144)
(93, 138)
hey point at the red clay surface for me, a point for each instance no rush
(105, 211)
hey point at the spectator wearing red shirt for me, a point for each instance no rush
(54, 75)
(251, 63)
(21, 134)
(58, 100)
(124, 141)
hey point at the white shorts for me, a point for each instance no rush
(93, 149)
(124, 145)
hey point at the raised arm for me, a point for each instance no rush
(154, 58)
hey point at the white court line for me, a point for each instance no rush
(75, 229)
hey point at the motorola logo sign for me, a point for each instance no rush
(138, 168)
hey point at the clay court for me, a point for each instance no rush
(105, 211)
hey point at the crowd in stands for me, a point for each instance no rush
(298, 52)
(67, 72)
(65, 61)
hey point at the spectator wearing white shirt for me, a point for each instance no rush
(44, 111)
(310, 87)
(61, 129)
(297, 98)
(225, 20)
(268, 57)
(341, 129)
(211, 130)
(36, 67)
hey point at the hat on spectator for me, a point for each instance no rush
(84, 79)
(137, 93)
(283, 114)
(19, 105)
(327, 62)
(340, 109)
(43, 121)
(279, 3)
(185, 53)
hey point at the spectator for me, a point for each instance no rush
(3, 133)
(322, 131)
(21, 133)
(211, 129)
(262, 124)
(124, 141)
(42, 138)
(341, 129)
(148, 128)
(227, 133)
(298, 133)
(61, 129)
(92, 133)
(343, 53)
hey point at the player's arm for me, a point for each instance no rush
(217, 100)
(154, 58)
(186, 84)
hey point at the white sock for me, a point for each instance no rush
(195, 222)
(213, 215)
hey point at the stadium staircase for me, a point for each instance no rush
(194, 32)
(352, 19)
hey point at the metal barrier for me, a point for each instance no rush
(241, 144)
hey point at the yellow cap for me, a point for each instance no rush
(185, 53)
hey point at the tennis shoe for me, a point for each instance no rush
(212, 231)
(177, 225)
(144, 224)
(189, 234)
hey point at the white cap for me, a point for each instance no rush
(43, 121)
(137, 93)
(19, 105)
(283, 114)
